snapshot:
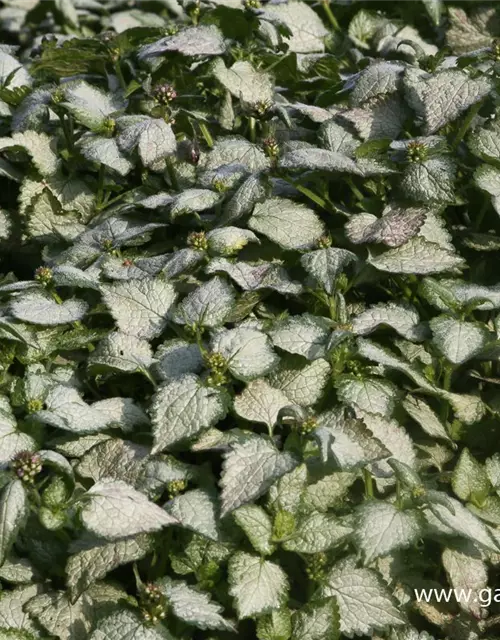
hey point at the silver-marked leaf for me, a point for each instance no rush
(347, 441)
(60, 617)
(244, 82)
(417, 256)
(193, 41)
(122, 352)
(12, 441)
(373, 395)
(208, 305)
(379, 78)
(394, 228)
(182, 408)
(248, 352)
(381, 528)
(317, 621)
(194, 607)
(12, 613)
(431, 181)
(152, 137)
(246, 196)
(394, 438)
(257, 585)
(139, 307)
(401, 317)
(469, 480)
(14, 509)
(306, 335)
(316, 159)
(104, 151)
(325, 494)
(302, 384)
(364, 601)
(113, 509)
(252, 277)
(193, 200)
(197, 510)
(37, 308)
(469, 33)
(126, 624)
(89, 105)
(235, 150)
(316, 533)
(260, 402)
(420, 411)
(92, 559)
(258, 527)
(466, 570)
(176, 357)
(249, 469)
(113, 459)
(229, 240)
(288, 224)
(307, 30)
(458, 340)
(326, 265)
(39, 146)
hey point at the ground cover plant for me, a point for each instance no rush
(249, 330)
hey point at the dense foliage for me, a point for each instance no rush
(249, 330)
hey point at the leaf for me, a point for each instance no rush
(286, 493)
(139, 307)
(395, 227)
(12, 441)
(60, 617)
(443, 96)
(317, 621)
(379, 78)
(290, 225)
(194, 607)
(39, 146)
(235, 150)
(125, 624)
(12, 603)
(244, 82)
(258, 527)
(307, 30)
(303, 385)
(114, 510)
(431, 181)
(104, 151)
(275, 625)
(469, 480)
(373, 395)
(394, 438)
(425, 416)
(89, 105)
(182, 408)
(467, 34)
(251, 191)
(364, 602)
(208, 305)
(14, 510)
(417, 256)
(152, 137)
(306, 335)
(37, 308)
(229, 240)
(381, 528)
(248, 352)
(92, 559)
(249, 469)
(177, 357)
(192, 41)
(122, 352)
(316, 533)
(402, 317)
(458, 340)
(197, 510)
(257, 585)
(466, 570)
(326, 265)
(113, 459)
(254, 277)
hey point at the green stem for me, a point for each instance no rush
(368, 480)
(355, 189)
(330, 16)
(206, 134)
(119, 73)
(473, 111)
(447, 375)
(171, 175)
(100, 186)
(148, 375)
(332, 305)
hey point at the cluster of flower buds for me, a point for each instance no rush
(262, 107)
(108, 127)
(198, 240)
(316, 567)
(175, 487)
(26, 466)
(107, 244)
(416, 152)
(495, 50)
(153, 603)
(128, 263)
(34, 405)
(164, 93)
(217, 365)
(307, 426)
(252, 4)
(43, 275)
(271, 147)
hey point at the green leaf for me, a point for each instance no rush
(197, 510)
(303, 385)
(258, 527)
(466, 570)
(317, 532)
(257, 585)
(208, 305)
(37, 308)
(417, 256)
(403, 318)
(248, 352)
(60, 617)
(89, 105)
(317, 621)
(469, 480)
(244, 82)
(306, 335)
(458, 340)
